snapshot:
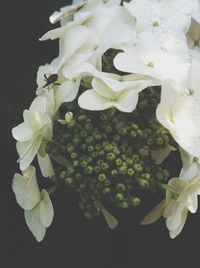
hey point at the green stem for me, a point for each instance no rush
(51, 189)
(61, 160)
(168, 188)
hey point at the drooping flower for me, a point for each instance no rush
(38, 209)
(180, 198)
(29, 135)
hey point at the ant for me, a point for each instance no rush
(50, 80)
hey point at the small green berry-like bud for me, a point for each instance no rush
(104, 166)
(123, 204)
(63, 174)
(159, 176)
(89, 170)
(144, 184)
(133, 134)
(107, 182)
(70, 148)
(83, 164)
(146, 176)
(110, 156)
(118, 162)
(97, 169)
(130, 172)
(143, 152)
(135, 158)
(114, 173)
(119, 196)
(82, 118)
(90, 148)
(122, 170)
(73, 155)
(68, 181)
(121, 187)
(106, 190)
(102, 177)
(88, 127)
(135, 201)
(137, 168)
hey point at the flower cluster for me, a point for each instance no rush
(122, 94)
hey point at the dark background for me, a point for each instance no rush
(71, 241)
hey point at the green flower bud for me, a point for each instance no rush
(107, 182)
(146, 176)
(137, 167)
(106, 190)
(133, 134)
(119, 196)
(143, 184)
(121, 187)
(123, 204)
(97, 169)
(63, 174)
(83, 134)
(110, 156)
(114, 173)
(122, 170)
(130, 172)
(90, 148)
(82, 118)
(68, 181)
(89, 170)
(135, 201)
(144, 152)
(83, 164)
(102, 177)
(73, 155)
(135, 158)
(118, 162)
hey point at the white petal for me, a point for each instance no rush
(46, 209)
(38, 105)
(90, 100)
(22, 132)
(45, 165)
(176, 231)
(127, 101)
(67, 91)
(32, 218)
(27, 152)
(192, 203)
(161, 154)
(26, 189)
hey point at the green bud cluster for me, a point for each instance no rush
(108, 153)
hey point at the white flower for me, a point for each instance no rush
(179, 110)
(154, 63)
(156, 16)
(176, 206)
(29, 134)
(37, 205)
(111, 90)
(161, 154)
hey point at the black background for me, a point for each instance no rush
(71, 241)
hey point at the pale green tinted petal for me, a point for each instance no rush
(90, 100)
(154, 214)
(27, 152)
(26, 189)
(22, 132)
(32, 218)
(176, 231)
(46, 209)
(111, 221)
(38, 104)
(45, 165)
(67, 91)
(127, 101)
(101, 88)
(192, 203)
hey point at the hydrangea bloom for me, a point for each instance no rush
(122, 95)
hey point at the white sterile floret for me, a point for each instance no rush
(180, 198)
(111, 90)
(37, 205)
(156, 16)
(154, 63)
(29, 134)
(179, 110)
